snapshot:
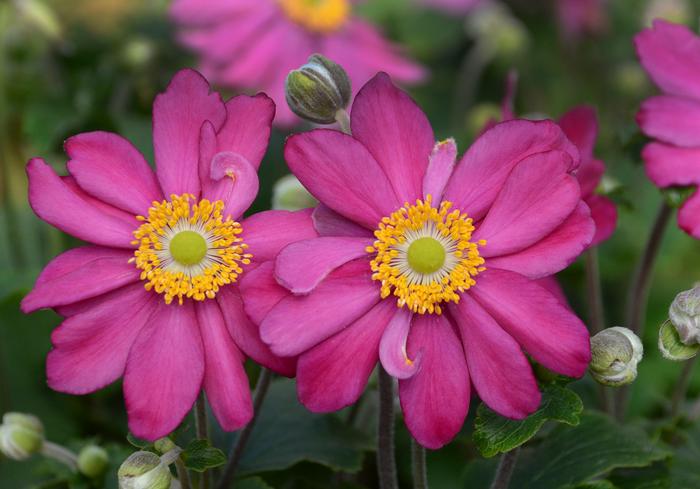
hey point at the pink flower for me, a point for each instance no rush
(427, 265)
(670, 53)
(255, 43)
(577, 17)
(154, 296)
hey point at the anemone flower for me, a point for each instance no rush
(154, 296)
(427, 265)
(670, 53)
(254, 44)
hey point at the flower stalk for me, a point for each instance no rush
(386, 461)
(202, 430)
(420, 470)
(505, 470)
(60, 454)
(681, 388)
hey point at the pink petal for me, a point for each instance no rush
(536, 199)
(246, 334)
(178, 115)
(266, 233)
(333, 374)
(60, 204)
(110, 168)
(674, 120)
(552, 285)
(79, 274)
(397, 133)
(196, 11)
(580, 125)
(547, 330)
(225, 380)
(604, 214)
(589, 176)
(260, 291)
(667, 165)
(497, 366)
(247, 127)
(689, 216)
(554, 252)
(485, 166)
(342, 174)
(301, 266)
(164, 371)
(91, 348)
(297, 323)
(329, 223)
(435, 401)
(440, 166)
(670, 54)
(392, 348)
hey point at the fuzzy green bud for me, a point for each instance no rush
(318, 90)
(684, 314)
(290, 195)
(144, 470)
(672, 347)
(615, 353)
(21, 435)
(93, 461)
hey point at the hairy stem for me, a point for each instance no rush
(505, 470)
(202, 429)
(682, 384)
(386, 462)
(420, 470)
(182, 475)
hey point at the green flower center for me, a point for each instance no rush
(188, 247)
(426, 255)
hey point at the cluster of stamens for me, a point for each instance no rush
(322, 16)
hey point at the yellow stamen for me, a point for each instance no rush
(170, 254)
(321, 16)
(421, 284)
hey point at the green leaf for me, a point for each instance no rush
(286, 434)
(570, 456)
(602, 484)
(494, 434)
(201, 456)
(253, 483)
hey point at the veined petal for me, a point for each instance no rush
(440, 166)
(260, 291)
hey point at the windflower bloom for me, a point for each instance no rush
(154, 297)
(255, 43)
(427, 265)
(670, 53)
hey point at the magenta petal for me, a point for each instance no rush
(556, 251)
(604, 214)
(499, 370)
(536, 319)
(580, 125)
(196, 11)
(79, 274)
(440, 166)
(536, 199)
(342, 174)
(689, 216)
(301, 266)
(397, 133)
(485, 166)
(61, 204)
(178, 115)
(435, 401)
(669, 53)
(247, 127)
(589, 176)
(333, 374)
(552, 285)
(260, 291)
(266, 233)
(246, 334)
(233, 180)
(110, 168)
(164, 371)
(91, 348)
(392, 348)
(667, 165)
(329, 223)
(674, 120)
(297, 323)
(225, 379)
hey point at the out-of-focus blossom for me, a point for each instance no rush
(21, 435)
(678, 11)
(670, 53)
(443, 290)
(154, 296)
(580, 17)
(255, 43)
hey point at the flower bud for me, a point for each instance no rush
(93, 461)
(684, 314)
(671, 346)
(21, 435)
(164, 445)
(318, 90)
(144, 470)
(290, 195)
(615, 353)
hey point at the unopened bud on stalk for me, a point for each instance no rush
(684, 314)
(144, 470)
(615, 353)
(290, 195)
(93, 461)
(21, 435)
(318, 90)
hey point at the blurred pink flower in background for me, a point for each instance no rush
(254, 44)
(579, 17)
(119, 294)
(443, 292)
(670, 53)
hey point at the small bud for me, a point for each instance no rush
(684, 314)
(21, 435)
(671, 346)
(290, 195)
(615, 353)
(144, 470)
(318, 90)
(93, 461)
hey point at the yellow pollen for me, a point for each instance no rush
(425, 255)
(321, 16)
(188, 250)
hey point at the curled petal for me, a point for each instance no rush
(392, 348)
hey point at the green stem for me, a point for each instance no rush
(60, 454)
(182, 475)
(420, 470)
(386, 462)
(505, 470)
(681, 389)
(202, 429)
(596, 315)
